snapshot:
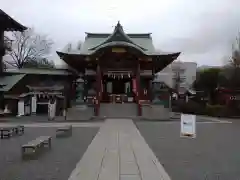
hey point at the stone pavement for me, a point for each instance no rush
(119, 152)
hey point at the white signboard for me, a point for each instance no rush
(21, 108)
(130, 99)
(6, 110)
(27, 109)
(34, 104)
(188, 125)
(51, 110)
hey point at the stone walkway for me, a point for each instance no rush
(119, 152)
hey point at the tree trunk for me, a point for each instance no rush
(2, 51)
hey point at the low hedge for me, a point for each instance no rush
(216, 110)
(189, 107)
(192, 107)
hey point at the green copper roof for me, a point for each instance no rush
(117, 37)
(13, 76)
(118, 43)
(95, 41)
(9, 81)
(91, 42)
(39, 71)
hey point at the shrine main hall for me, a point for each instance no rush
(118, 68)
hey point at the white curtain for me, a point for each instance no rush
(109, 87)
(127, 87)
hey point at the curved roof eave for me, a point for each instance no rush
(106, 35)
(61, 54)
(173, 55)
(119, 43)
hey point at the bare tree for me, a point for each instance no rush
(73, 46)
(235, 58)
(79, 45)
(28, 46)
(41, 63)
(177, 70)
(232, 68)
(69, 47)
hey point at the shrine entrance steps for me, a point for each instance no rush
(117, 110)
(80, 112)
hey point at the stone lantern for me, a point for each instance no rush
(160, 93)
(79, 91)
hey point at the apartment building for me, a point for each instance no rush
(179, 74)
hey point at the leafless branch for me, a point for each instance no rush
(29, 46)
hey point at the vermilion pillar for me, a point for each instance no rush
(151, 85)
(138, 89)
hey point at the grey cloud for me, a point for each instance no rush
(202, 30)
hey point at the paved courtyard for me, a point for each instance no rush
(56, 164)
(122, 150)
(119, 152)
(213, 155)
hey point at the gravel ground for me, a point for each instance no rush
(56, 164)
(213, 155)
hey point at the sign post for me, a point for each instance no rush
(188, 125)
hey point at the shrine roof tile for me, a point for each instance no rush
(92, 40)
(39, 71)
(9, 81)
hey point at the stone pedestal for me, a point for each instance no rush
(80, 113)
(155, 112)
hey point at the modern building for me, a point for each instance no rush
(183, 73)
(117, 68)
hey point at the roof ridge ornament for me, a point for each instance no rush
(119, 25)
(118, 35)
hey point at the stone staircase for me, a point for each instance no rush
(80, 112)
(126, 110)
(175, 116)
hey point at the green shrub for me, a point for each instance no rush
(189, 107)
(216, 110)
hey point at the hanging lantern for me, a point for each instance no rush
(122, 76)
(129, 75)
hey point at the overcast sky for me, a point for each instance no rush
(202, 30)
